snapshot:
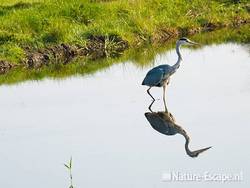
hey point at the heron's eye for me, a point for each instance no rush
(183, 39)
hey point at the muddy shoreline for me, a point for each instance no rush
(98, 47)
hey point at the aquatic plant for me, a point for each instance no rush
(69, 167)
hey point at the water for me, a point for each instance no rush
(99, 120)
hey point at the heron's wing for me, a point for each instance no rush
(167, 69)
(154, 77)
(161, 125)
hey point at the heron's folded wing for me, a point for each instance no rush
(153, 77)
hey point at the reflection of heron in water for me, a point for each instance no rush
(164, 123)
(159, 76)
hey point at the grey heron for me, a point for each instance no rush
(159, 76)
(164, 123)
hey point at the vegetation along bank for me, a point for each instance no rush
(37, 33)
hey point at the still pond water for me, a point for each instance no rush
(99, 120)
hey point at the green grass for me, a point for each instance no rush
(141, 57)
(40, 23)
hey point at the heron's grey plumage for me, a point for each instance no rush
(159, 76)
(164, 123)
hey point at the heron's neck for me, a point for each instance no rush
(177, 64)
(188, 151)
(187, 143)
(183, 133)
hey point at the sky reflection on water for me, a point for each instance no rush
(99, 120)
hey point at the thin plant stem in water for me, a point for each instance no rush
(69, 167)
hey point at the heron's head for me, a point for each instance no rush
(186, 41)
(197, 152)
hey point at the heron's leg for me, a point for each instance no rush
(149, 107)
(164, 97)
(150, 93)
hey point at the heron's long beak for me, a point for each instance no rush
(197, 152)
(193, 43)
(202, 150)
